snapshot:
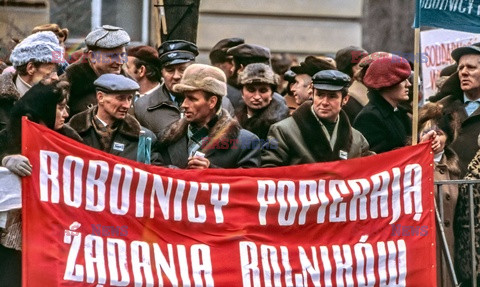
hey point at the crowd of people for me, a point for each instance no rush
(247, 109)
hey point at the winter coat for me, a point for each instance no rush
(465, 145)
(384, 128)
(8, 96)
(446, 169)
(299, 139)
(228, 145)
(124, 142)
(261, 120)
(461, 224)
(156, 111)
(81, 76)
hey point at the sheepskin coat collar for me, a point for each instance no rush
(261, 121)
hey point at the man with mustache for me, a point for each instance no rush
(108, 126)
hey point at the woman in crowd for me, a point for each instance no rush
(445, 128)
(260, 109)
(45, 104)
(384, 124)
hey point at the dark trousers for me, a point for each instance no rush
(10, 267)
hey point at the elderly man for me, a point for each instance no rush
(105, 54)
(317, 132)
(465, 101)
(34, 60)
(302, 88)
(207, 136)
(108, 126)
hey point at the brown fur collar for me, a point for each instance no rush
(262, 120)
(225, 128)
(452, 163)
(315, 138)
(8, 90)
(82, 122)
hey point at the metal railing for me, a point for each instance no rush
(440, 222)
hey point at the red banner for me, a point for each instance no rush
(93, 219)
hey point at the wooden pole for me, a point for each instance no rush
(416, 72)
(158, 38)
(164, 19)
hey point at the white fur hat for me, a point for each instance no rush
(203, 77)
(39, 47)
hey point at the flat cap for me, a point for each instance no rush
(144, 53)
(107, 37)
(174, 52)
(330, 80)
(459, 52)
(249, 51)
(116, 84)
(313, 65)
(218, 54)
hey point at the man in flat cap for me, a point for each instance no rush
(107, 126)
(34, 61)
(207, 137)
(158, 110)
(105, 54)
(317, 132)
(302, 88)
(143, 66)
(464, 100)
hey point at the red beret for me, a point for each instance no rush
(386, 72)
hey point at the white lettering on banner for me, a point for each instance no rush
(368, 264)
(291, 202)
(80, 184)
(146, 258)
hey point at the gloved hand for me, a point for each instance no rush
(18, 164)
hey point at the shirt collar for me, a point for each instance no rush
(22, 86)
(466, 99)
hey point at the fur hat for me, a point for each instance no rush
(40, 47)
(386, 72)
(258, 73)
(313, 65)
(202, 77)
(62, 34)
(432, 116)
(218, 54)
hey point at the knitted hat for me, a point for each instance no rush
(313, 64)
(40, 47)
(202, 77)
(218, 54)
(386, 72)
(107, 37)
(258, 73)
(62, 34)
(348, 57)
